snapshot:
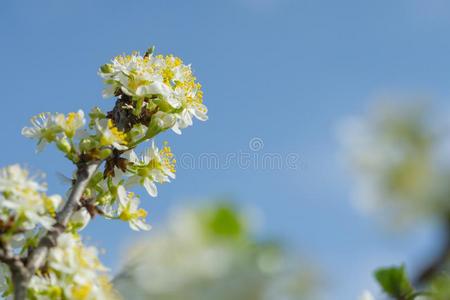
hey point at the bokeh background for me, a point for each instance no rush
(287, 72)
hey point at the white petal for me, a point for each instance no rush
(30, 132)
(122, 195)
(174, 102)
(139, 225)
(155, 88)
(81, 217)
(56, 200)
(131, 155)
(150, 187)
(176, 128)
(119, 146)
(200, 115)
(108, 92)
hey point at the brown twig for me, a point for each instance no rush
(436, 265)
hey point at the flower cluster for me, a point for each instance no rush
(23, 202)
(58, 128)
(73, 272)
(39, 239)
(70, 136)
(153, 165)
(109, 193)
(123, 167)
(154, 93)
(156, 83)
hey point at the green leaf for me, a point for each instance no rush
(224, 221)
(395, 282)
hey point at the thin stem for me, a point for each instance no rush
(435, 266)
(143, 139)
(84, 175)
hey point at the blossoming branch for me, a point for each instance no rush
(40, 247)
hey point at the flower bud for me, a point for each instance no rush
(86, 144)
(64, 145)
(80, 218)
(105, 153)
(96, 113)
(160, 121)
(106, 68)
(105, 199)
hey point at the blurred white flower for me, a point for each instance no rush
(23, 199)
(208, 254)
(75, 272)
(16, 180)
(396, 158)
(366, 295)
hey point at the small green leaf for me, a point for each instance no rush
(395, 282)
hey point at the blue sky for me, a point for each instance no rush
(284, 71)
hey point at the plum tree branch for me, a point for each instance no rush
(19, 273)
(22, 272)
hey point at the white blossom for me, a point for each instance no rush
(23, 197)
(70, 123)
(396, 158)
(162, 81)
(44, 129)
(152, 166)
(110, 135)
(196, 257)
(129, 210)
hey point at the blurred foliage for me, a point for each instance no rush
(400, 158)
(210, 252)
(395, 282)
(440, 288)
